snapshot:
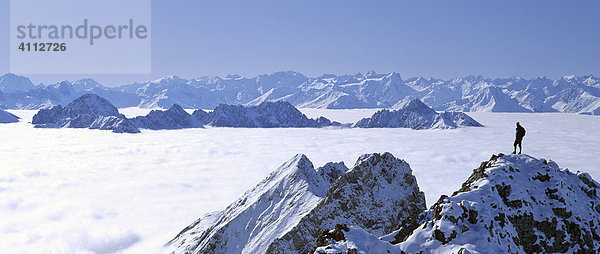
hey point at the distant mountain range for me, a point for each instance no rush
(371, 90)
(94, 112)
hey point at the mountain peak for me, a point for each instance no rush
(414, 104)
(92, 104)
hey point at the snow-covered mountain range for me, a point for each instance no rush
(94, 112)
(286, 212)
(371, 90)
(510, 204)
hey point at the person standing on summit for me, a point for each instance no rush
(519, 138)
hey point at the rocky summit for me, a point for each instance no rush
(510, 204)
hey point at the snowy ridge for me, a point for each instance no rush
(416, 115)
(88, 111)
(6, 117)
(263, 213)
(510, 204)
(371, 90)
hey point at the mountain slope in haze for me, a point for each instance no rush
(6, 117)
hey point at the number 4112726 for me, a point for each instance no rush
(42, 46)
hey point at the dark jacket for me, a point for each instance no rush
(520, 132)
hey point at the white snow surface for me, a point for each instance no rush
(361, 241)
(90, 191)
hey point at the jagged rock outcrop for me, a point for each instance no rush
(6, 117)
(416, 115)
(88, 111)
(173, 118)
(510, 204)
(263, 213)
(377, 194)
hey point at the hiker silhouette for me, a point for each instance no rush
(519, 138)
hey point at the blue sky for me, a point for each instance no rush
(442, 39)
